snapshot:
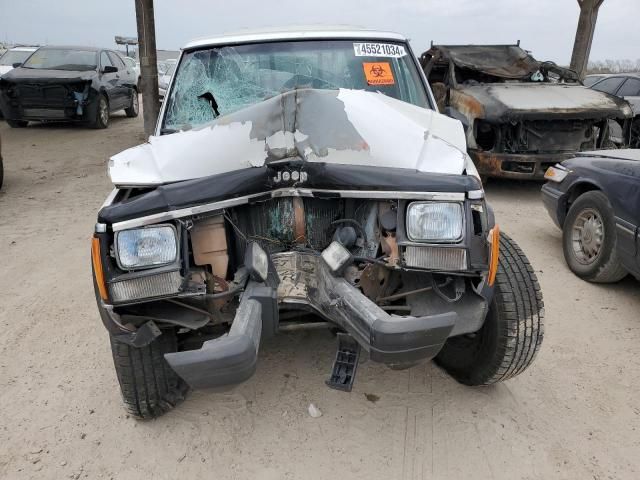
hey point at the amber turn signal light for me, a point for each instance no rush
(494, 239)
(97, 268)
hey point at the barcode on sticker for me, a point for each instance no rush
(379, 50)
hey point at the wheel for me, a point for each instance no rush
(589, 239)
(17, 123)
(101, 119)
(149, 386)
(512, 332)
(133, 109)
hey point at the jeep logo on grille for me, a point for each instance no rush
(294, 176)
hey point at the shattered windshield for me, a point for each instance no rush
(220, 80)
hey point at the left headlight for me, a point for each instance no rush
(436, 222)
(146, 247)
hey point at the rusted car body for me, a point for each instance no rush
(521, 115)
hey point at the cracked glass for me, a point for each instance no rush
(215, 81)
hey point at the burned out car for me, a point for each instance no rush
(298, 177)
(72, 84)
(521, 115)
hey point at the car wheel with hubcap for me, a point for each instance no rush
(512, 331)
(589, 239)
(101, 119)
(133, 109)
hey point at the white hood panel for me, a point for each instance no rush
(347, 127)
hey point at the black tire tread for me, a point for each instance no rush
(130, 112)
(17, 123)
(520, 298)
(518, 313)
(96, 123)
(149, 386)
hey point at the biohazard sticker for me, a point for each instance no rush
(379, 50)
(378, 73)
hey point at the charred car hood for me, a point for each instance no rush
(35, 75)
(341, 127)
(537, 101)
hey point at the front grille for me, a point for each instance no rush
(146, 287)
(43, 95)
(436, 258)
(272, 223)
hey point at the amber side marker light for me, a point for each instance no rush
(97, 268)
(494, 239)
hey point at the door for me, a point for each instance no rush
(127, 78)
(110, 81)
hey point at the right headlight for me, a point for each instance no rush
(436, 222)
(146, 247)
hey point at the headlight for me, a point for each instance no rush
(146, 247)
(436, 222)
(556, 173)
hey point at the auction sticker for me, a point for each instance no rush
(378, 73)
(379, 50)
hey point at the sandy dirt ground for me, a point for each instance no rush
(574, 415)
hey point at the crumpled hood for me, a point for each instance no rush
(35, 75)
(349, 127)
(539, 101)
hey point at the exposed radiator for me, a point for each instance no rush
(272, 223)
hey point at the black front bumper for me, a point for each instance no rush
(554, 202)
(389, 339)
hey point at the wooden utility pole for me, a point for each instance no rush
(148, 64)
(584, 35)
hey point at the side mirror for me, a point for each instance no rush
(16, 65)
(455, 114)
(109, 69)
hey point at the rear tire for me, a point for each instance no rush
(133, 109)
(17, 123)
(512, 332)
(149, 386)
(589, 239)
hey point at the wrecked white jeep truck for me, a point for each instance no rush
(301, 177)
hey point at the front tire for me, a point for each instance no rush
(149, 386)
(17, 123)
(589, 239)
(512, 332)
(101, 119)
(134, 108)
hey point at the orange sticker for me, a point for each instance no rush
(378, 73)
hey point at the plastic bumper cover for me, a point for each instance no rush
(232, 358)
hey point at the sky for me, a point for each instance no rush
(546, 27)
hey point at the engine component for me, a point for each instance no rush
(346, 235)
(209, 243)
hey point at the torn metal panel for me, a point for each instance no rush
(346, 127)
(506, 61)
